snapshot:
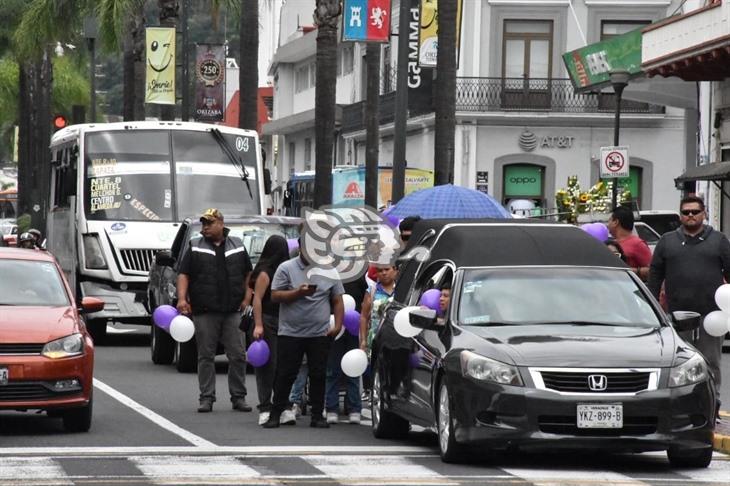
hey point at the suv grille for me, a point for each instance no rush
(30, 390)
(577, 382)
(6, 348)
(137, 260)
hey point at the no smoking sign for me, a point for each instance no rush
(614, 162)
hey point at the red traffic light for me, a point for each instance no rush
(59, 121)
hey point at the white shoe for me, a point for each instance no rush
(264, 417)
(354, 418)
(332, 418)
(297, 410)
(287, 418)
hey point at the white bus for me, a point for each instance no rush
(119, 191)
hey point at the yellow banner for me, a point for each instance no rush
(160, 42)
(428, 33)
(415, 179)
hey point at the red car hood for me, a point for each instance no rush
(36, 324)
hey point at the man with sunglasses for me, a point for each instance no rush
(692, 262)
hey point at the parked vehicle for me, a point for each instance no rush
(660, 221)
(549, 341)
(162, 285)
(119, 191)
(46, 353)
(647, 233)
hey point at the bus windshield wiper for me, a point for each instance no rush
(234, 159)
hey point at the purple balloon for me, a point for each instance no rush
(163, 316)
(597, 230)
(292, 243)
(415, 358)
(352, 322)
(430, 299)
(258, 353)
(392, 221)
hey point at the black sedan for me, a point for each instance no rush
(548, 342)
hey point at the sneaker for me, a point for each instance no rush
(288, 418)
(332, 418)
(206, 406)
(272, 423)
(354, 418)
(241, 405)
(319, 424)
(297, 410)
(264, 417)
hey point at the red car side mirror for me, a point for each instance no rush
(91, 304)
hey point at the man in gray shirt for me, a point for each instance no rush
(692, 262)
(305, 305)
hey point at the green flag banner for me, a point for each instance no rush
(589, 66)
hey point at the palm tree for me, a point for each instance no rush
(326, 17)
(248, 73)
(372, 124)
(446, 100)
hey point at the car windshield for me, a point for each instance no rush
(254, 235)
(539, 295)
(29, 283)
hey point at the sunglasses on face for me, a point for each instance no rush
(693, 212)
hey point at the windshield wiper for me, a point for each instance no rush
(234, 159)
(492, 324)
(580, 323)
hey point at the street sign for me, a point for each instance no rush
(614, 162)
(366, 20)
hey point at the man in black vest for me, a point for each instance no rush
(211, 286)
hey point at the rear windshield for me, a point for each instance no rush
(28, 283)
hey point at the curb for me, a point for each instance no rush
(721, 442)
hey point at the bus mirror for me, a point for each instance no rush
(267, 181)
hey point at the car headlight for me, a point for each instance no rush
(486, 369)
(65, 347)
(694, 370)
(93, 252)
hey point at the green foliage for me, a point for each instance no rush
(10, 13)
(70, 85)
(8, 91)
(24, 222)
(112, 14)
(45, 22)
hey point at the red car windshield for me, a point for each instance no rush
(31, 283)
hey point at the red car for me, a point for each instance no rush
(46, 353)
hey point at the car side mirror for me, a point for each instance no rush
(164, 258)
(685, 320)
(267, 181)
(423, 319)
(91, 304)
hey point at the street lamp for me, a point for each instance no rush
(91, 30)
(619, 80)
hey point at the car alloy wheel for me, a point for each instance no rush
(386, 424)
(449, 449)
(375, 401)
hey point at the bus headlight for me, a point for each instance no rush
(93, 252)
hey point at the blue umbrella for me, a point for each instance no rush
(449, 201)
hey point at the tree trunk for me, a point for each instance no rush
(446, 94)
(138, 35)
(326, 16)
(248, 74)
(128, 92)
(372, 124)
(169, 12)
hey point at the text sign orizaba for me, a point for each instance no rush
(614, 162)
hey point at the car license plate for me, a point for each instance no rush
(608, 416)
(3, 376)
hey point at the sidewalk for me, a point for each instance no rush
(722, 433)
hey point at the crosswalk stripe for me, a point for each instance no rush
(556, 477)
(163, 468)
(373, 469)
(719, 471)
(36, 469)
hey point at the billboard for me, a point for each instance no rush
(210, 82)
(160, 67)
(428, 33)
(348, 184)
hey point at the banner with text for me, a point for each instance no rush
(210, 82)
(366, 20)
(160, 79)
(428, 33)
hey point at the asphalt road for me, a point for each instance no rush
(146, 431)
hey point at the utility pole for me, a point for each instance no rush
(185, 107)
(619, 80)
(401, 104)
(91, 31)
(372, 124)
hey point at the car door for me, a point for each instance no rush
(429, 345)
(168, 279)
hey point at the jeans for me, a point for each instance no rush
(297, 390)
(710, 347)
(334, 371)
(210, 329)
(265, 374)
(291, 351)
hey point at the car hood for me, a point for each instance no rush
(29, 325)
(574, 345)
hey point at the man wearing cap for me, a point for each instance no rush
(211, 287)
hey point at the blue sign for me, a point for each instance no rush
(355, 20)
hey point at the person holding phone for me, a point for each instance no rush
(305, 305)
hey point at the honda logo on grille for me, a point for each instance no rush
(597, 382)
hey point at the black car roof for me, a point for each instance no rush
(499, 242)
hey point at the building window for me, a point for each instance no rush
(307, 154)
(527, 50)
(348, 59)
(292, 157)
(612, 28)
(305, 77)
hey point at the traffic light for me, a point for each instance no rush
(59, 122)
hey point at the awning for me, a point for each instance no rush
(718, 171)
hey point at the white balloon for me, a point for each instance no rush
(354, 363)
(716, 323)
(349, 302)
(182, 329)
(402, 323)
(722, 297)
(332, 326)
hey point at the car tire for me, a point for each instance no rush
(97, 329)
(162, 346)
(186, 357)
(690, 458)
(449, 449)
(385, 424)
(78, 419)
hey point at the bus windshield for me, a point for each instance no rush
(129, 175)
